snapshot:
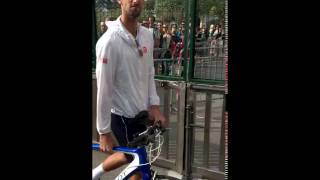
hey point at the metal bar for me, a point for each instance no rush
(192, 38)
(189, 140)
(180, 127)
(207, 47)
(192, 118)
(187, 144)
(166, 111)
(213, 99)
(216, 89)
(164, 163)
(171, 84)
(196, 126)
(186, 43)
(166, 60)
(206, 142)
(222, 139)
(207, 81)
(208, 174)
(168, 78)
(211, 57)
(216, 67)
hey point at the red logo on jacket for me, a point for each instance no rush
(144, 50)
(105, 61)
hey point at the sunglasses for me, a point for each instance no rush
(139, 48)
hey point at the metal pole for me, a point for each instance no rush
(193, 8)
(180, 127)
(166, 103)
(186, 42)
(189, 99)
(189, 142)
(222, 138)
(206, 142)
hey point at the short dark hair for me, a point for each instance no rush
(153, 18)
(110, 19)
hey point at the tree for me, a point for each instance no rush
(106, 4)
(148, 9)
(169, 10)
(211, 8)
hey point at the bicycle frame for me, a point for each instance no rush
(140, 157)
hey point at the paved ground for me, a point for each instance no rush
(98, 157)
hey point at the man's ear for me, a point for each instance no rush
(119, 1)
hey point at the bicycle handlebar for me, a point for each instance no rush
(147, 136)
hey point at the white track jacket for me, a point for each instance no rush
(125, 79)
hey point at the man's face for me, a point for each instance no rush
(165, 28)
(145, 23)
(173, 29)
(103, 27)
(132, 8)
(151, 21)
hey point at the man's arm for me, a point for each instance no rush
(154, 100)
(104, 73)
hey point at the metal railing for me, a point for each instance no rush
(205, 134)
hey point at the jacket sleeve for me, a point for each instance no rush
(105, 72)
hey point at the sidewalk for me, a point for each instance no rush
(98, 157)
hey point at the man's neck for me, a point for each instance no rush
(130, 24)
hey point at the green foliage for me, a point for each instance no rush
(211, 8)
(169, 10)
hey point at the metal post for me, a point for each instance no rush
(222, 138)
(193, 8)
(206, 142)
(189, 118)
(186, 43)
(166, 111)
(189, 142)
(180, 127)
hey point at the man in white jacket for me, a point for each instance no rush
(125, 82)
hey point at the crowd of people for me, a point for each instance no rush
(169, 36)
(169, 40)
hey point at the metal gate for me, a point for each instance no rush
(205, 132)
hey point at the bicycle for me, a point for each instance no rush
(138, 149)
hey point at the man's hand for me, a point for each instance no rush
(106, 142)
(155, 114)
